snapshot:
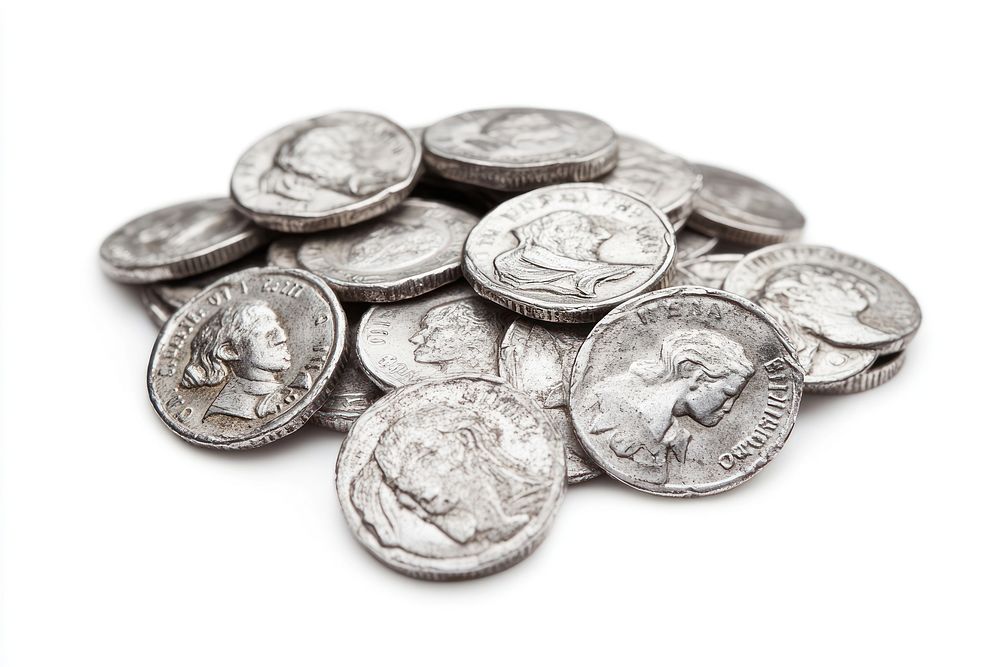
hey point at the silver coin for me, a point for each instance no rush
(706, 271)
(449, 331)
(692, 244)
(452, 478)
(352, 394)
(686, 391)
(840, 311)
(409, 251)
(569, 253)
(179, 241)
(326, 172)
(283, 252)
(537, 358)
(249, 359)
(738, 208)
(158, 310)
(518, 149)
(172, 294)
(883, 369)
(666, 180)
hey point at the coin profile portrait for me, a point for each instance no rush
(524, 130)
(454, 335)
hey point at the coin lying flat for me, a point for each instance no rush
(686, 391)
(569, 253)
(179, 241)
(409, 251)
(283, 252)
(537, 358)
(449, 331)
(692, 244)
(326, 172)
(840, 311)
(738, 208)
(451, 479)
(519, 149)
(883, 369)
(707, 270)
(666, 180)
(249, 359)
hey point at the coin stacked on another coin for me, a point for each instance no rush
(492, 307)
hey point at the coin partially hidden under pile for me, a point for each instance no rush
(542, 300)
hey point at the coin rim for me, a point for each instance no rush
(867, 379)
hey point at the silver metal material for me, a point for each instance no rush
(353, 392)
(537, 358)
(249, 359)
(283, 252)
(706, 271)
(881, 371)
(451, 479)
(686, 391)
(518, 149)
(569, 253)
(326, 172)
(692, 244)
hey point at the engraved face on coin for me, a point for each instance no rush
(168, 296)
(411, 250)
(179, 241)
(667, 181)
(520, 149)
(685, 391)
(569, 253)
(692, 244)
(840, 311)
(537, 358)
(249, 359)
(449, 331)
(452, 478)
(738, 208)
(326, 172)
(707, 270)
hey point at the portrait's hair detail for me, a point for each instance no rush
(469, 322)
(233, 324)
(388, 243)
(715, 354)
(797, 285)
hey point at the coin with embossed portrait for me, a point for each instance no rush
(450, 331)
(518, 149)
(686, 391)
(249, 359)
(840, 311)
(537, 358)
(451, 479)
(741, 209)
(569, 253)
(326, 172)
(179, 241)
(707, 270)
(409, 251)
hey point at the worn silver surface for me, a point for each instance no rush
(738, 208)
(158, 310)
(179, 241)
(450, 331)
(326, 172)
(569, 253)
(518, 149)
(409, 251)
(352, 394)
(685, 391)
(692, 244)
(840, 311)
(452, 478)
(883, 369)
(283, 252)
(537, 358)
(669, 182)
(249, 359)
(706, 271)
(172, 294)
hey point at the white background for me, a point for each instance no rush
(871, 539)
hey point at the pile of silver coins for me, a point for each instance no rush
(493, 307)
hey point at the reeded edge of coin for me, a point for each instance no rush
(430, 571)
(695, 490)
(575, 314)
(881, 371)
(723, 230)
(292, 420)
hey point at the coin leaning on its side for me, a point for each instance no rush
(451, 479)
(326, 172)
(179, 241)
(569, 253)
(283, 252)
(692, 244)
(707, 270)
(686, 391)
(249, 359)
(353, 392)
(883, 369)
(518, 149)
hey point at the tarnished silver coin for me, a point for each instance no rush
(537, 358)
(686, 391)
(169, 295)
(158, 310)
(883, 369)
(669, 182)
(249, 359)
(707, 270)
(519, 149)
(449, 331)
(409, 251)
(283, 252)
(569, 253)
(692, 244)
(840, 311)
(353, 392)
(738, 208)
(451, 479)
(179, 241)
(326, 172)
